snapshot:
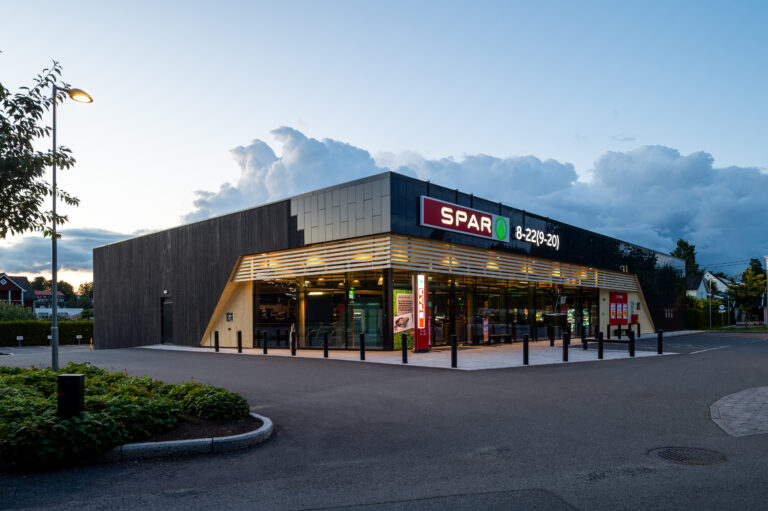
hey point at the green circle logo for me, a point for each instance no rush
(501, 228)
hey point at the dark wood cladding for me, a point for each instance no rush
(192, 262)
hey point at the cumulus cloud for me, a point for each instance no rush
(651, 195)
(305, 165)
(32, 254)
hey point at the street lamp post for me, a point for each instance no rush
(81, 97)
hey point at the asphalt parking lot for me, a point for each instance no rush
(374, 436)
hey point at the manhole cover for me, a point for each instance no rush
(689, 455)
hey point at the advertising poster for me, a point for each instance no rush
(422, 337)
(619, 309)
(403, 322)
(486, 332)
(403, 303)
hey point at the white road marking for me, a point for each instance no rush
(710, 349)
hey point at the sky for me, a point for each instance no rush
(644, 121)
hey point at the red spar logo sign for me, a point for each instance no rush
(420, 301)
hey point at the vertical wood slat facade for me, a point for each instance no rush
(192, 262)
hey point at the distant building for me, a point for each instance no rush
(16, 290)
(697, 286)
(43, 298)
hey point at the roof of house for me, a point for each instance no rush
(20, 281)
(47, 292)
(692, 282)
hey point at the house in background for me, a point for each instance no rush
(16, 290)
(43, 298)
(697, 286)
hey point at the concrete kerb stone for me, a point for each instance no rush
(147, 450)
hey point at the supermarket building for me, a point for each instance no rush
(379, 256)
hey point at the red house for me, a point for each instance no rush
(16, 290)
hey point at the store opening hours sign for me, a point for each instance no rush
(619, 310)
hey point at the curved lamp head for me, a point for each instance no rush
(79, 95)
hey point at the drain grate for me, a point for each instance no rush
(688, 455)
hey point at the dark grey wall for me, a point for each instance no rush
(191, 262)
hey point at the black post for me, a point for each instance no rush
(454, 352)
(362, 346)
(660, 347)
(583, 341)
(293, 344)
(71, 395)
(551, 336)
(608, 331)
(525, 350)
(265, 338)
(216, 341)
(239, 341)
(638, 329)
(325, 344)
(404, 347)
(600, 345)
(566, 342)
(255, 339)
(514, 332)
(631, 343)
(619, 331)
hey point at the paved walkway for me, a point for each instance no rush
(743, 413)
(470, 358)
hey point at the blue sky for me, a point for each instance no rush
(608, 97)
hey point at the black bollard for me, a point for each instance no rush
(514, 333)
(660, 347)
(293, 344)
(631, 343)
(551, 336)
(584, 342)
(265, 339)
(216, 341)
(325, 344)
(619, 329)
(638, 330)
(600, 345)
(239, 341)
(362, 346)
(566, 342)
(404, 347)
(255, 339)
(71, 395)
(525, 350)
(608, 332)
(454, 352)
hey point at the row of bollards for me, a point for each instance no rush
(263, 336)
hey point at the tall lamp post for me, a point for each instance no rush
(81, 97)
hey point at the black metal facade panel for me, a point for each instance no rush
(191, 262)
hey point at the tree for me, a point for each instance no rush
(40, 284)
(66, 289)
(23, 187)
(756, 265)
(748, 293)
(10, 312)
(687, 252)
(86, 289)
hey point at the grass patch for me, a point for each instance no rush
(119, 409)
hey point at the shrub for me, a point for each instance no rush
(36, 332)
(118, 409)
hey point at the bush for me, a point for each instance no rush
(10, 312)
(118, 409)
(36, 332)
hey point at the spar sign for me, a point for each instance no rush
(421, 336)
(452, 217)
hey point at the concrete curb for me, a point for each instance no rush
(147, 450)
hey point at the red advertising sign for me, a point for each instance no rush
(452, 217)
(421, 338)
(619, 309)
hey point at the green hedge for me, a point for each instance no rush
(118, 409)
(36, 332)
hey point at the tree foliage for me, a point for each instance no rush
(86, 289)
(687, 252)
(41, 284)
(23, 187)
(748, 293)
